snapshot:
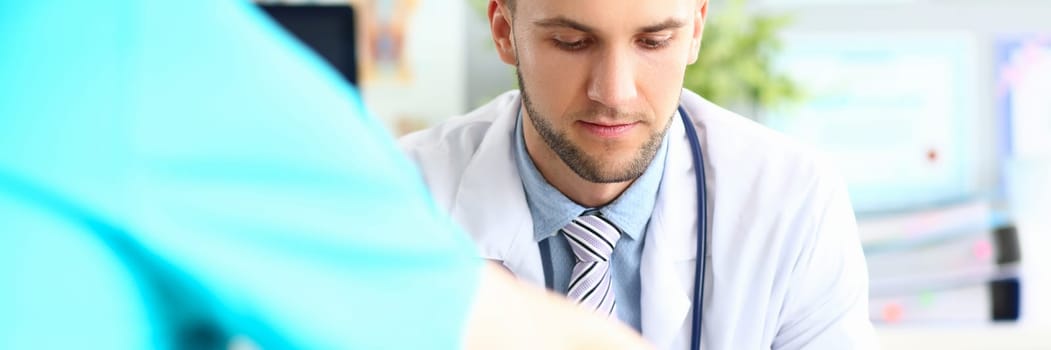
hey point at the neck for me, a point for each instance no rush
(563, 178)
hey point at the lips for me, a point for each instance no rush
(607, 130)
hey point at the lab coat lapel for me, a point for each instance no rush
(667, 260)
(490, 201)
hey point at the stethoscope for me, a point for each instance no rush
(702, 235)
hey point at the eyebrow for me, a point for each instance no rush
(670, 23)
(563, 22)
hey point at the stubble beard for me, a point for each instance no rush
(589, 168)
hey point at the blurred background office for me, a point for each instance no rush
(937, 112)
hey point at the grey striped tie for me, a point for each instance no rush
(592, 238)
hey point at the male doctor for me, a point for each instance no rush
(587, 173)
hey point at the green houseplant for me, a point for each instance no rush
(735, 66)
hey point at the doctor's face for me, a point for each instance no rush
(600, 79)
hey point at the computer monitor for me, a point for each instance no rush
(327, 29)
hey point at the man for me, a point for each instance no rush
(588, 171)
(181, 175)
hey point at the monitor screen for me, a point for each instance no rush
(895, 112)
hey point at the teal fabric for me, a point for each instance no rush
(177, 174)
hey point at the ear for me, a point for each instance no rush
(700, 17)
(500, 26)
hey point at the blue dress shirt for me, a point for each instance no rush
(551, 211)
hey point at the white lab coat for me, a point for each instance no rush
(785, 268)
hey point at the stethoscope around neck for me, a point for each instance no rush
(702, 236)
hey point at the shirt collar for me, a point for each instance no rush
(551, 210)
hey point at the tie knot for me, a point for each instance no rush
(592, 237)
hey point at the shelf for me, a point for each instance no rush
(1007, 336)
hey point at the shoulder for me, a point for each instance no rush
(444, 152)
(461, 134)
(745, 153)
(789, 189)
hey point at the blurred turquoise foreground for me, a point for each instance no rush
(182, 174)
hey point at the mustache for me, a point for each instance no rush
(608, 114)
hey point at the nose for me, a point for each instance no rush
(612, 81)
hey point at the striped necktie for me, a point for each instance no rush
(592, 238)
